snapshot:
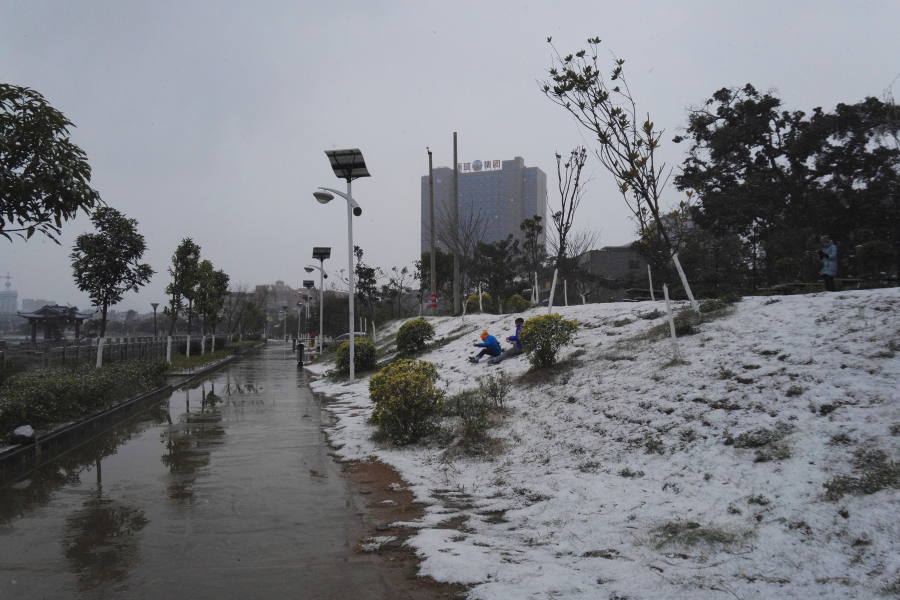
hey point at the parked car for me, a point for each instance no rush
(341, 339)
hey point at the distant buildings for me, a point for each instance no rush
(9, 299)
(614, 262)
(32, 304)
(502, 193)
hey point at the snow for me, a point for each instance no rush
(551, 516)
(24, 431)
(374, 543)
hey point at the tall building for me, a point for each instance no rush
(9, 299)
(499, 194)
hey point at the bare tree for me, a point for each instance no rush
(464, 239)
(571, 191)
(627, 147)
(581, 241)
(399, 282)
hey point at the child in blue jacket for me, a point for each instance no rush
(489, 346)
(516, 349)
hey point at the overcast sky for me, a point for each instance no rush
(210, 119)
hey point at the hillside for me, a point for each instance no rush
(625, 474)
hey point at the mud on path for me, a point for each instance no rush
(382, 499)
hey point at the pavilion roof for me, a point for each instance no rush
(49, 312)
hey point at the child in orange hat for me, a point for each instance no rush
(489, 346)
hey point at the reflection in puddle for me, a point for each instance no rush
(189, 443)
(100, 544)
(40, 485)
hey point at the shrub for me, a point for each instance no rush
(57, 395)
(486, 302)
(495, 388)
(787, 269)
(684, 326)
(873, 258)
(712, 305)
(517, 304)
(473, 409)
(653, 314)
(413, 336)
(364, 356)
(543, 336)
(408, 406)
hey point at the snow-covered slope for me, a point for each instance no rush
(627, 475)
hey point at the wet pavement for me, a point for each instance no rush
(224, 491)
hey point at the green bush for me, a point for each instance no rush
(408, 405)
(364, 356)
(874, 258)
(517, 304)
(56, 395)
(413, 336)
(712, 305)
(486, 302)
(543, 336)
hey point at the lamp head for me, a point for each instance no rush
(323, 197)
(357, 211)
(308, 269)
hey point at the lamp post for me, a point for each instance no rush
(322, 255)
(154, 305)
(308, 284)
(348, 165)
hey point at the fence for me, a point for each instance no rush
(62, 352)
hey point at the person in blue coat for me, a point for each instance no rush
(489, 345)
(516, 349)
(828, 255)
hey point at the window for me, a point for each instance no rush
(634, 265)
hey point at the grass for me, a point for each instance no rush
(654, 446)
(768, 443)
(186, 364)
(558, 373)
(872, 472)
(629, 474)
(689, 534)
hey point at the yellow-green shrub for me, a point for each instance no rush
(487, 303)
(517, 304)
(364, 355)
(408, 406)
(543, 336)
(413, 335)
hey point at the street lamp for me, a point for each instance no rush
(349, 165)
(154, 305)
(321, 254)
(308, 284)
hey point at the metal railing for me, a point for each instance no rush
(62, 352)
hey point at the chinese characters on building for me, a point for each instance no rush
(488, 165)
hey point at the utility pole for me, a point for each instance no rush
(455, 195)
(433, 260)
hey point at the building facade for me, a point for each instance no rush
(614, 263)
(497, 194)
(9, 300)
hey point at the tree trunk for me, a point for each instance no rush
(103, 320)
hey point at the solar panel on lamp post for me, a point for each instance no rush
(349, 165)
